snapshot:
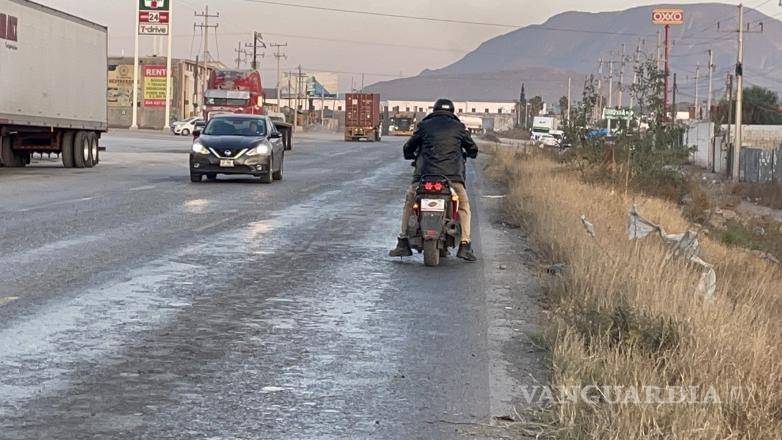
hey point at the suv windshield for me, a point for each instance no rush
(236, 127)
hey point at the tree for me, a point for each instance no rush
(760, 106)
(535, 106)
(563, 107)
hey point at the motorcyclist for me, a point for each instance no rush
(440, 146)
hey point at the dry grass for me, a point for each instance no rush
(622, 316)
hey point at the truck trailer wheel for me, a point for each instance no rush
(82, 150)
(94, 157)
(8, 156)
(66, 149)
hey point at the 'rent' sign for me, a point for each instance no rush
(668, 16)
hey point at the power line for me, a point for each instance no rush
(439, 20)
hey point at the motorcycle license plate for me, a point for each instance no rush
(432, 205)
(227, 163)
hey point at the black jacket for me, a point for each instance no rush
(440, 145)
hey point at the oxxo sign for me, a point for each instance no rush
(9, 28)
(668, 16)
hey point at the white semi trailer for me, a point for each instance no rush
(53, 85)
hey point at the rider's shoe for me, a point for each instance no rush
(466, 253)
(402, 249)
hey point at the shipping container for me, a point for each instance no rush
(53, 85)
(362, 116)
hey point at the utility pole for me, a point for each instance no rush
(569, 91)
(205, 26)
(674, 110)
(697, 102)
(255, 45)
(134, 122)
(739, 97)
(279, 55)
(730, 114)
(658, 49)
(635, 72)
(666, 74)
(610, 91)
(290, 90)
(610, 84)
(711, 85)
(239, 53)
(622, 77)
(736, 156)
(599, 114)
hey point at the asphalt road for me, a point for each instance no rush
(134, 304)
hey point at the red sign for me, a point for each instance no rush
(8, 27)
(153, 17)
(668, 16)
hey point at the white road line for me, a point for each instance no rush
(143, 188)
(217, 223)
(61, 202)
(7, 299)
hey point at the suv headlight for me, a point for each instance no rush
(198, 148)
(260, 150)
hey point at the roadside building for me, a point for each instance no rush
(466, 107)
(186, 96)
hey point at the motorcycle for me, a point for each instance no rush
(435, 220)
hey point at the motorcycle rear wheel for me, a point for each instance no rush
(431, 253)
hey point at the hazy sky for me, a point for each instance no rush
(302, 29)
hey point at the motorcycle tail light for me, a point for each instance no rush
(438, 186)
(428, 186)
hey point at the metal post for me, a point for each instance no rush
(622, 77)
(134, 122)
(569, 91)
(674, 110)
(697, 102)
(739, 98)
(255, 50)
(610, 91)
(666, 74)
(169, 73)
(635, 72)
(711, 85)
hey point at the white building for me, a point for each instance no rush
(472, 107)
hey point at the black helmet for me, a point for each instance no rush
(444, 104)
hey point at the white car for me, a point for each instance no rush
(549, 140)
(186, 127)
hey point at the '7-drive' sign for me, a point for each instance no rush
(668, 16)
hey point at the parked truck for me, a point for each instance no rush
(362, 117)
(542, 126)
(241, 92)
(473, 123)
(53, 78)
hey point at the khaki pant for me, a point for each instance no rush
(465, 215)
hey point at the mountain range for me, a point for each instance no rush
(571, 44)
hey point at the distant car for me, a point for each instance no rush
(549, 140)
(186, 127)
(237, 144)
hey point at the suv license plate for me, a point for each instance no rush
(433, 205)
(227, 163)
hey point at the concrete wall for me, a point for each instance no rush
(766, 137)
(699, 135)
